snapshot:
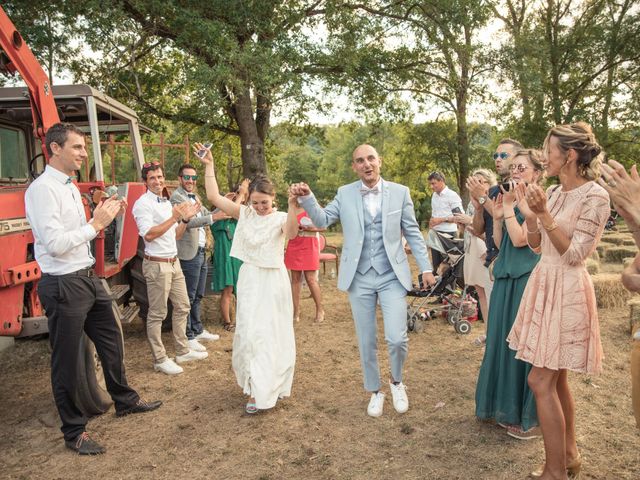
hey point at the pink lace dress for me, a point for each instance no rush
(557, 323)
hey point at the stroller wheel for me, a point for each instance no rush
(411, 322)
(463, 327)
(454, 315)
(418, 325)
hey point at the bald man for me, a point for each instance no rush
(375, 215)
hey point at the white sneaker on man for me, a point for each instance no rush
(399, 394)
(190, 356)
(207, 336)
(375, 404)
(169, 367)
(196, 346)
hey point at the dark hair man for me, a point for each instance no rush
(73, 297)
(444, 203)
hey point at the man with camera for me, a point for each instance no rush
(192, 256)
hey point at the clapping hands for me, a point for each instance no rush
(624, 190)
(107, 210)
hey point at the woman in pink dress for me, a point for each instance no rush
(303, 256)
(556, 328)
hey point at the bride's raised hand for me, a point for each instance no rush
(207, 157)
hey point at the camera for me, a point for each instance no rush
(203, 151)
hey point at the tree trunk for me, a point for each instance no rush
(253, 159)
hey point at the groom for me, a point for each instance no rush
(375, 214)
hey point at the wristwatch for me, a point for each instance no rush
(482, 200)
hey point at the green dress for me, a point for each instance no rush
(502, 392)
(225, 267)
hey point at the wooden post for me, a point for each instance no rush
(162, 151)
(111, 148)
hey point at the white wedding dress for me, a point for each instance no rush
(264, 349)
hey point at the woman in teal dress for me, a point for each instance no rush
(225, 267)
(502, 392)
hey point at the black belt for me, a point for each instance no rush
(85, 272)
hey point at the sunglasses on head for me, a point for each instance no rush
(150, 164)
(189, 177)
(521, 168)
(501, 155)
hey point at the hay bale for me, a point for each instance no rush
(629, 241)
(634, 314)
(616, 254)
(617, 238)
(610, 293)
(593, 266)
(602, 247)
(627, 261)
(595, 256)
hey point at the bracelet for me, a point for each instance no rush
(537, 230)
(185, 221)
(550, 228)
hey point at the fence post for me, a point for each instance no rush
(111, 148)
(162, 151)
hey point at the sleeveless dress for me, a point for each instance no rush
(225, 267)
(303, 252)
(264, 349)
(502, 392)
(557, 323)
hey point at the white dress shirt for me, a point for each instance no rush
(442, 205)
(59, 224)
(151, 210)
(372, 201)
(202, 236)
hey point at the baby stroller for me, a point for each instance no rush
(449, 296)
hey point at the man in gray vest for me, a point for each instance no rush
(192, 255)
(375, 215)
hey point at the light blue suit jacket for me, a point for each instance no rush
(398, 219)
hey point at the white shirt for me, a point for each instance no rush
(59, 224)
(202, 237)
(442, 205)
(371, 201)
(151, 210)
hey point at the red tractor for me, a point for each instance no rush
(25, 116)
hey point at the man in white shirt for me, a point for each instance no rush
(444, 203)
(74, 299)
(192, 255)
(159, 224)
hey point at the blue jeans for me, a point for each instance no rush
(195, 275)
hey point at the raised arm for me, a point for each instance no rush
(321, 217)
(291, 226)
(211, 185)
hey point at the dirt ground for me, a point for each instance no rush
(322, 431)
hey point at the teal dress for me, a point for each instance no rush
(502, 392)
(225, 267)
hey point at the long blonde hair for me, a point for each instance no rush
(579, 137)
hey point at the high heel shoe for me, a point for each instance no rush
(573, 468)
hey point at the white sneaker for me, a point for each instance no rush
(169, 367)
(375, 404)
(190, 356)
(399, 394)
(196, 346)
(207, 336)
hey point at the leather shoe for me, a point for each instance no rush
(84, 445)
(139, 407)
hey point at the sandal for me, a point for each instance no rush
(229, 327)
(251, 408)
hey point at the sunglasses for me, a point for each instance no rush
(150, 164)
(521, 168)
(501, 155)
(189, 177)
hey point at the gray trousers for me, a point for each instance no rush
(364, 293)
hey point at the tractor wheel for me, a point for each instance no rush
(139, 292)
(91, 394)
